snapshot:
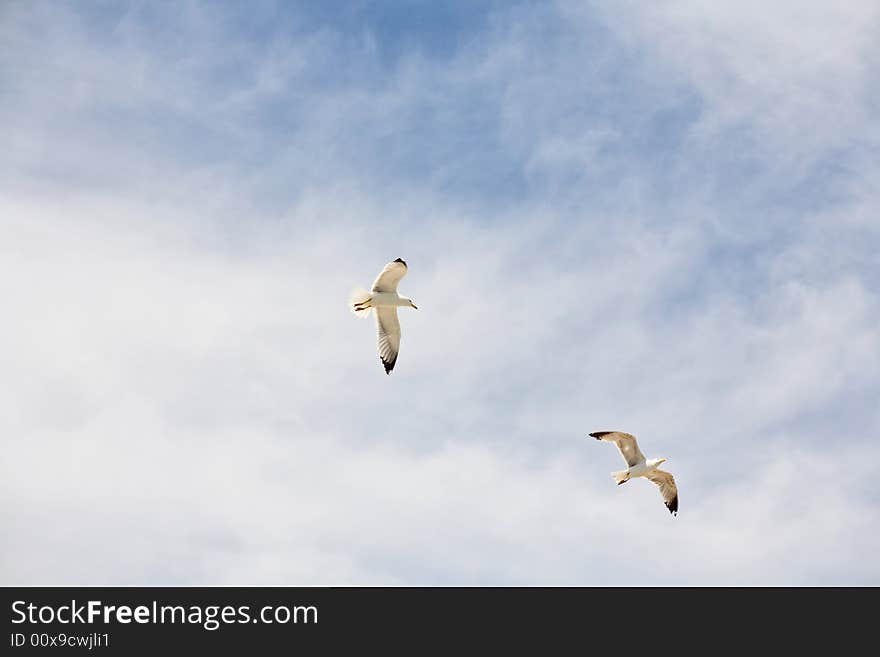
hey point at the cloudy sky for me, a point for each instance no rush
(661, 219)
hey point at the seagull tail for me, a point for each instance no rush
(621, 476)
(360, 302)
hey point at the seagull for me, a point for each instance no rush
(384, 299)
(637, 466)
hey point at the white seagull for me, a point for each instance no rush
(384, 299)
(637, 466)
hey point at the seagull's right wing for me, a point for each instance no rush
(390, 276)
(668, 489)
(625, 442)
(388, 330)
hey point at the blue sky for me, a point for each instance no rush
(657, 219)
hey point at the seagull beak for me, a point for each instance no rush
(415, 306)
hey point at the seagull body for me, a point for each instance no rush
(383, 298)
(639, 466)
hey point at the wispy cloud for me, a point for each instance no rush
(655, 219)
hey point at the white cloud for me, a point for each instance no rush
(189, 401)
(798, 72)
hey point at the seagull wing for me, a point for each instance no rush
(668, 489)
(390, 276)
(388, 330)
(625, 442)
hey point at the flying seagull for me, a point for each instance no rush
(384, 299)
(637, 466)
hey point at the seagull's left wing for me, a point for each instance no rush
(625, 442)
(390, 276)
(668, 489)
(388, 330)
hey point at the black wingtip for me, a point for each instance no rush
(598, 434)
(401, 261)
(388, 365)
(673, 506)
